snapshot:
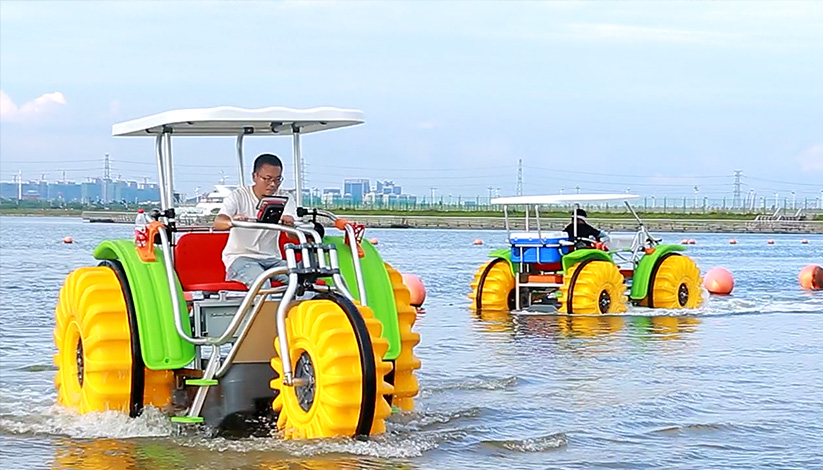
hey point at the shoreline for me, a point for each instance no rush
(615, 224)
(671, 223)
(667, 225)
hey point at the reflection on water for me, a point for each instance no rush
(138, 454)
(665, 327)
(586, 326)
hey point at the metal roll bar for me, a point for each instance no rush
(161, 170)
(165, 246)
(358, 270)
(214, 368)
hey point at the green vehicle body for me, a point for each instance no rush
(643, 272)
(578, 256)
(379, 293)
(162, 347)
(568, 260)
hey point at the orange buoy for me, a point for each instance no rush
(719, 281)
(477, 241)
(732, 242)
(691, 241)
(416, 289)
(68, 239)
(373, 241)
(770, 241)
(811, 277)
(684, 241)
(804, 241)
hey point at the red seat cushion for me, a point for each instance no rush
(216, 286)
(199, 263)
(288, 238)
(198, 260)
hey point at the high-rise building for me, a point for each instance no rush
(356, 188)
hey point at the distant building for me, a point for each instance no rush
(388, 187)
(389, 199)
(356, 189)
(94, 190)
(332, 196)
(31, 195)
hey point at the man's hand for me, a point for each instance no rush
(222, 222)
(287, 220)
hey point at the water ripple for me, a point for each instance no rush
(534, 444)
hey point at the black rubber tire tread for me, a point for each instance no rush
(482, 281)
(653, 275)
(138, 372)
(572, 282)
(367, 361)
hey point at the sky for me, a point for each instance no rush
(656, 98)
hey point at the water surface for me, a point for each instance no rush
(735, 384)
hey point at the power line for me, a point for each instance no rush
(407, 169)
(782, 182)
(635, 175)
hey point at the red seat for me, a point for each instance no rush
(553, 267)
(198, 260)
(199, 263)
(286, 238)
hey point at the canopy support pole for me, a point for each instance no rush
(298, 166)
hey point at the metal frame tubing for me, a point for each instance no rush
(213, 367)
(298, 170)
(241, 175)
(161, 172)
(358, 271)
(169, 170)
(574, 219)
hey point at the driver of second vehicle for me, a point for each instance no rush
(584, 230)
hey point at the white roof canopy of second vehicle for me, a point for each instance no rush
(555, 199)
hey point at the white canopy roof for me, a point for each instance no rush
(230, 121)
(561, 199)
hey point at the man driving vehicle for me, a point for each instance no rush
(584, 230)
(249, 252)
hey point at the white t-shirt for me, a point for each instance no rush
(252, 243)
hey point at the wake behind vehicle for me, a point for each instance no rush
(546, 271)
(155, 323)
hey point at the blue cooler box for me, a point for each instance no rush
(528, 247)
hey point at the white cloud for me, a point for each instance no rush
(426, 125)
(114, 107)
(7, 106)
(812, 159)
(43, 105)
(643, 33)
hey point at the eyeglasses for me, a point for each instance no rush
(272, 179)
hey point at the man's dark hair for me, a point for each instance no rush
(581, 213)
(267, 159)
